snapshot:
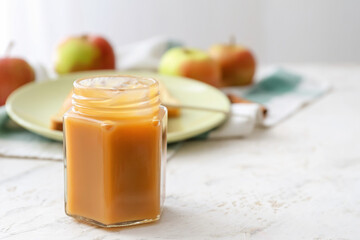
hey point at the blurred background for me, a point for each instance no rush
(278, 31)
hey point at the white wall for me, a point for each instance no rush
(277, 30)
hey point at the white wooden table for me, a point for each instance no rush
(297, 180)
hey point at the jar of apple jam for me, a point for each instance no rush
(115, 151)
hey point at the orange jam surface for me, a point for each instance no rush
(114, 154)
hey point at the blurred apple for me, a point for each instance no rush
(14, 72)
(191, 63)
(81, 53)
(237, 64)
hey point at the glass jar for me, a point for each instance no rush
(115, 151)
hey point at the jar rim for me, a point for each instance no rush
(132, 95)
(152, 83)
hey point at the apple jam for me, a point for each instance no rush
(115, 151)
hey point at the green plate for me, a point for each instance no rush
(32, 105)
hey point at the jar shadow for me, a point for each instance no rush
(179, 221)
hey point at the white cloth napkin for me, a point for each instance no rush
(282, 92)
(242, 121)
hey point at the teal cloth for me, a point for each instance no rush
(11, 131)
(278, 83)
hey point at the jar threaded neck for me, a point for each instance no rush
(116, 96)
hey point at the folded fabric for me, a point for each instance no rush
(282, 92)
(18, 142)
(241, 122)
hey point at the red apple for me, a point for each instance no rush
(82, 53)
(14, 72)
(191, 63)
(237, 64)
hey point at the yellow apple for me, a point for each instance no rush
(191, 63)
(82, 53)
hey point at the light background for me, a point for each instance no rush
(326, 31)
